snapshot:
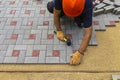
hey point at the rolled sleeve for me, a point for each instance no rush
(57, 4)
(87, 16)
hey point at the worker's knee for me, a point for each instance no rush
(50, 6)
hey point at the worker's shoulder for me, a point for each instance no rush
(88, 6)
(89, 1)
(58, 0)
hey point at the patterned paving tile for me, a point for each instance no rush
(15, 53)
(26, 33)
(35, 53)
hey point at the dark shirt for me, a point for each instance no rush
(86, 15)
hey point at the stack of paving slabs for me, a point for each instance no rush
(26, 32)
(106, 6)
(115, 77)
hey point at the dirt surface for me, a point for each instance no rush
(56, 76)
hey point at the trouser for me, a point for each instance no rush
(78, 20)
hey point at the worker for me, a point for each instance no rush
(81, 12)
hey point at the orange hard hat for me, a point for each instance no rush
(73, 8)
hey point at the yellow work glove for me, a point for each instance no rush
(76, 58)
(60, 35)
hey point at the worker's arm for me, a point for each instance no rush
(60, 34)
(86, 39)
(87, 19)
(57, 19)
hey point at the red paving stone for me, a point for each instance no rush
(112, 23)
(95, 22)
(32, 36)
(35, 53)
(27, 11)
(12, 3)
(69, 36)
(15, 53)
(42, 11)
(25, 2)
(14, 36)
(46, 23)
(39, 2)
(30, 23)
(50, 36)
(12, 11)
(13, 23)
(56, 53)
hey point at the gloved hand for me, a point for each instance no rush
(76, 58)
(60, 35)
